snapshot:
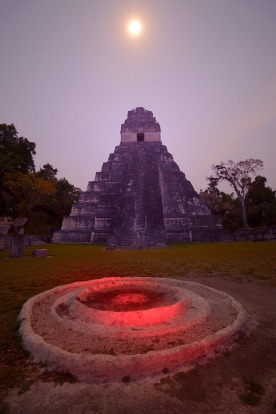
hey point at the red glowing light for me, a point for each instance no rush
(128, 304)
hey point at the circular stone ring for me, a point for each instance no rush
(110, 328)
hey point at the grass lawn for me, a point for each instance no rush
(23, 278)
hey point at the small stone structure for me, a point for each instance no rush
(39, 253)
(140, 197)
(111, 328)
(255, 234)
(7, 229)
(10, 227)
(12, 235)
(17, 246)
(17, 242)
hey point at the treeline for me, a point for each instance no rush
(25, 192)
(252, 204)
(45, 199)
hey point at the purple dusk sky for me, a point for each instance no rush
(205, 68)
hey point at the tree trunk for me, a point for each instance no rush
(244, 218)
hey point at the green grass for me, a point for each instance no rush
(23, 278)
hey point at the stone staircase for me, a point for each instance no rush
(141, 198)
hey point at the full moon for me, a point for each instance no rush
(135, 27)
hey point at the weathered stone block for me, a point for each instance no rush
(39, 253)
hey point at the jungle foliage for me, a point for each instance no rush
(25, 192)
(254, 205)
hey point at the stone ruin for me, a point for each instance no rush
(131, 327)
(140, 197)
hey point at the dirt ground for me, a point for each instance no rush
(242, 380)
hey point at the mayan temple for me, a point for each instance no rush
(140, 197)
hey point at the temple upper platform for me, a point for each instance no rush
(140, 126)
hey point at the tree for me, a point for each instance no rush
(260, 203)
(47, 217)
(24, 192)
(16, 153)
(224, 205)
(238, 176)
(66, 195)
(47, 172)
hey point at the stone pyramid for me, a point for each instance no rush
(140, 197)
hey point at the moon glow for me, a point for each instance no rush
(135, 27)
